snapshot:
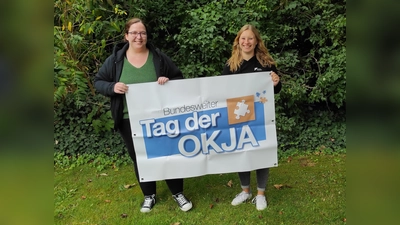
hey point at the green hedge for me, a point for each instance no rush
(307, 38)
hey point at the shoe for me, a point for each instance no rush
(241, 197)
(148, 203)
(260, 201)
(183, 203)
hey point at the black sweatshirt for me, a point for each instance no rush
(250, 66)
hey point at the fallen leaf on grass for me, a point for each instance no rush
(177, 223)
(229, 183)
(280, 186)
(289, 159)
(260, 216)
(310, 164)
(83, 197)
(124, 215)
(306, 162)
(344, 219)
(90, 180)
(129, 185)
(280, 212)
(108, 201)
(103, 174)
(211, 206)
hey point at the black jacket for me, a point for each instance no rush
(110, 73)
(250, 66)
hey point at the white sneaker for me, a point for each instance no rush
(183, 203)
(260, 201)
(241, 197)
(148, 203)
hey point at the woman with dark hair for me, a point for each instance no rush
(137, 61)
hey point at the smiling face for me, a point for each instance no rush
(247, 42)
(137, 36)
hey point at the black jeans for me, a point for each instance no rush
(148, 188)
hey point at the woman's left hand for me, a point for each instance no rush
(275, 78)
(162, 80)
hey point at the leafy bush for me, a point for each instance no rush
(306, 38)
(86, 128)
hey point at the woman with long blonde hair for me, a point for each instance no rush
(249, 55)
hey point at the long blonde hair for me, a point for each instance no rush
(261, 51)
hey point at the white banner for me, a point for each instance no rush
(210, 125)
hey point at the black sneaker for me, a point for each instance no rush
(148, 203)
(183, 203)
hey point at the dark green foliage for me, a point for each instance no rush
(321, 130)
(86, 128)
(307, 39)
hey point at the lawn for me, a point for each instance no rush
(308, 189)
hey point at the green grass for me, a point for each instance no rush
(312, 192)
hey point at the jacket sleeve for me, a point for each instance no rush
(278, 87)
(104, 80)
(170, 70)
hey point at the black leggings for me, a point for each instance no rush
(148, 188)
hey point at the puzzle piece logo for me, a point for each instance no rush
(240, 109)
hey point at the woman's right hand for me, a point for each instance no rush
(120, 88)
(275, 78)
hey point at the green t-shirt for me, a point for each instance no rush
(134, 75)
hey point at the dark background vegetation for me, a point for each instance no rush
(307, 39)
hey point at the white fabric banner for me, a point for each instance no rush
(211, 125)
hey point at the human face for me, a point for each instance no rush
(137, 36)
(247, 42)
